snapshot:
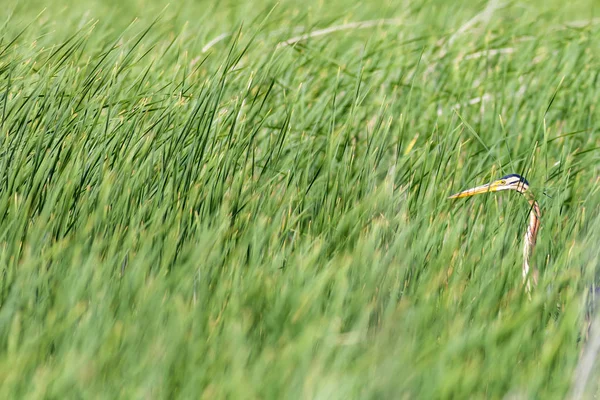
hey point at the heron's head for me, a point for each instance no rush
(508, 182)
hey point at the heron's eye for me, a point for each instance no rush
(503, 182)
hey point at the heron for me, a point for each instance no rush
(520, 184)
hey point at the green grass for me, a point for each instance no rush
(247, 220)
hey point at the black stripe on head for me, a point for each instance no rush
(516, 176)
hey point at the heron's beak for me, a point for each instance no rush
(490, 187)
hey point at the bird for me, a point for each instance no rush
(520, 184)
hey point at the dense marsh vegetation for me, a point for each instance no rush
(249, 199)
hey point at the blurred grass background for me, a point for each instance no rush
(194, 206)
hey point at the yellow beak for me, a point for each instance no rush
(490, 187)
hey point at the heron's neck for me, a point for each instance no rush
(531, 237)
(534, 215)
